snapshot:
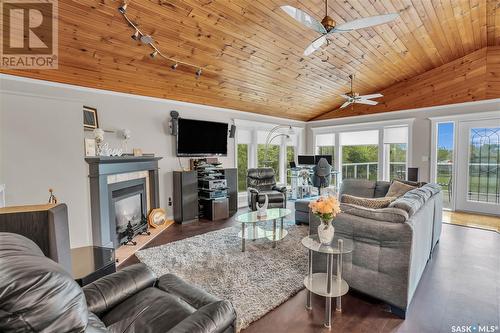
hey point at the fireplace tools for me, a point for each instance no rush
(140, 228)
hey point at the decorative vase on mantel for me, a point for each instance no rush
(326, 231)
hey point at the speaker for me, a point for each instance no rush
(174, 122)
(413, 174)
(232, 131)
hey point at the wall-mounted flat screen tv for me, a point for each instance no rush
(201, 138)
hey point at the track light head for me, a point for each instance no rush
(147, 39)
(135, 36)
(198, 73)
(174, 66)
(123, 8)
(153, 54)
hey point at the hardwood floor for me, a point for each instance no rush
(472, 220)
(460, 286)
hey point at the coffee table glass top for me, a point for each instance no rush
(312, 243)
(272, 214)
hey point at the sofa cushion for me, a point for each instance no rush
(359, 187)
(381, 188)
(395, 215)
(398, 188)
(411, 202)
(367, 202)
(152, 308)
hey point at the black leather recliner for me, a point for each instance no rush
(261, 181)
(38, 295)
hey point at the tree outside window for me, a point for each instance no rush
(273, 158)
(242, 167)
(360, 162)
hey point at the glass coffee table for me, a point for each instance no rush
(327, 284)
(255, 232)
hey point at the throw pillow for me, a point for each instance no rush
(398, 188)
(366, 202)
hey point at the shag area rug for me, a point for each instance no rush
(255, 281)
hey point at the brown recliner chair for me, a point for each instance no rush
(38, 295)
(261, 182)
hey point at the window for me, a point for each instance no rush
(271, 160)
(242, 167)
(290, 157)
(325, 145)
(359, 154)
(395, 146)
(444, 161)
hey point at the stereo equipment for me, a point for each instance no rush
(174, 122)
(212, 184)
(214, 194)
(232, 131)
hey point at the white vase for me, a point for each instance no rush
(262, 210)
(326, 231)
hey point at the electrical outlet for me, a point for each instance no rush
(169, 201)
(425, 158)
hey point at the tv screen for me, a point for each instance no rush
(201, 138)
(306, 159)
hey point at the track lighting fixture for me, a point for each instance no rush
(123, 8)
(148, 40)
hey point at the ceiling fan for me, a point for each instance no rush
(353, 97)
(328, 26)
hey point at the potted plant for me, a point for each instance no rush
(325, 208)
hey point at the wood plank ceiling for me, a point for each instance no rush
(251, 51)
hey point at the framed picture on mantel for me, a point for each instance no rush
(90, 118)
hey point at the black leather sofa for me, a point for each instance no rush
(261, 181)
(38, 295)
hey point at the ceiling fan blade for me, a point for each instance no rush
(365, 22)
(371, 96)
(365, 101)
(315, 45)
(345, 104)
(304, 18)
(345, 96)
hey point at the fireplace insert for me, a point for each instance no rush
(128, 211)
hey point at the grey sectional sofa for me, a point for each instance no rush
(391, 245)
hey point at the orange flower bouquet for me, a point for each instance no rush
(326, 208)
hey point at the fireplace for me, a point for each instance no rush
(128, 210)
(122, 189)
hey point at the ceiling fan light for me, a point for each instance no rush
(135, 36)
(153, 54)
(174, 66)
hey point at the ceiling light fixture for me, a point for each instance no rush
(123, 8)
(148, 40)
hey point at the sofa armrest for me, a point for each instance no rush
(112, 289)
(281, 189)
(192, 295)
(212, 318)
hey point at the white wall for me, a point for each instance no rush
(421, 133)
(41, 141)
